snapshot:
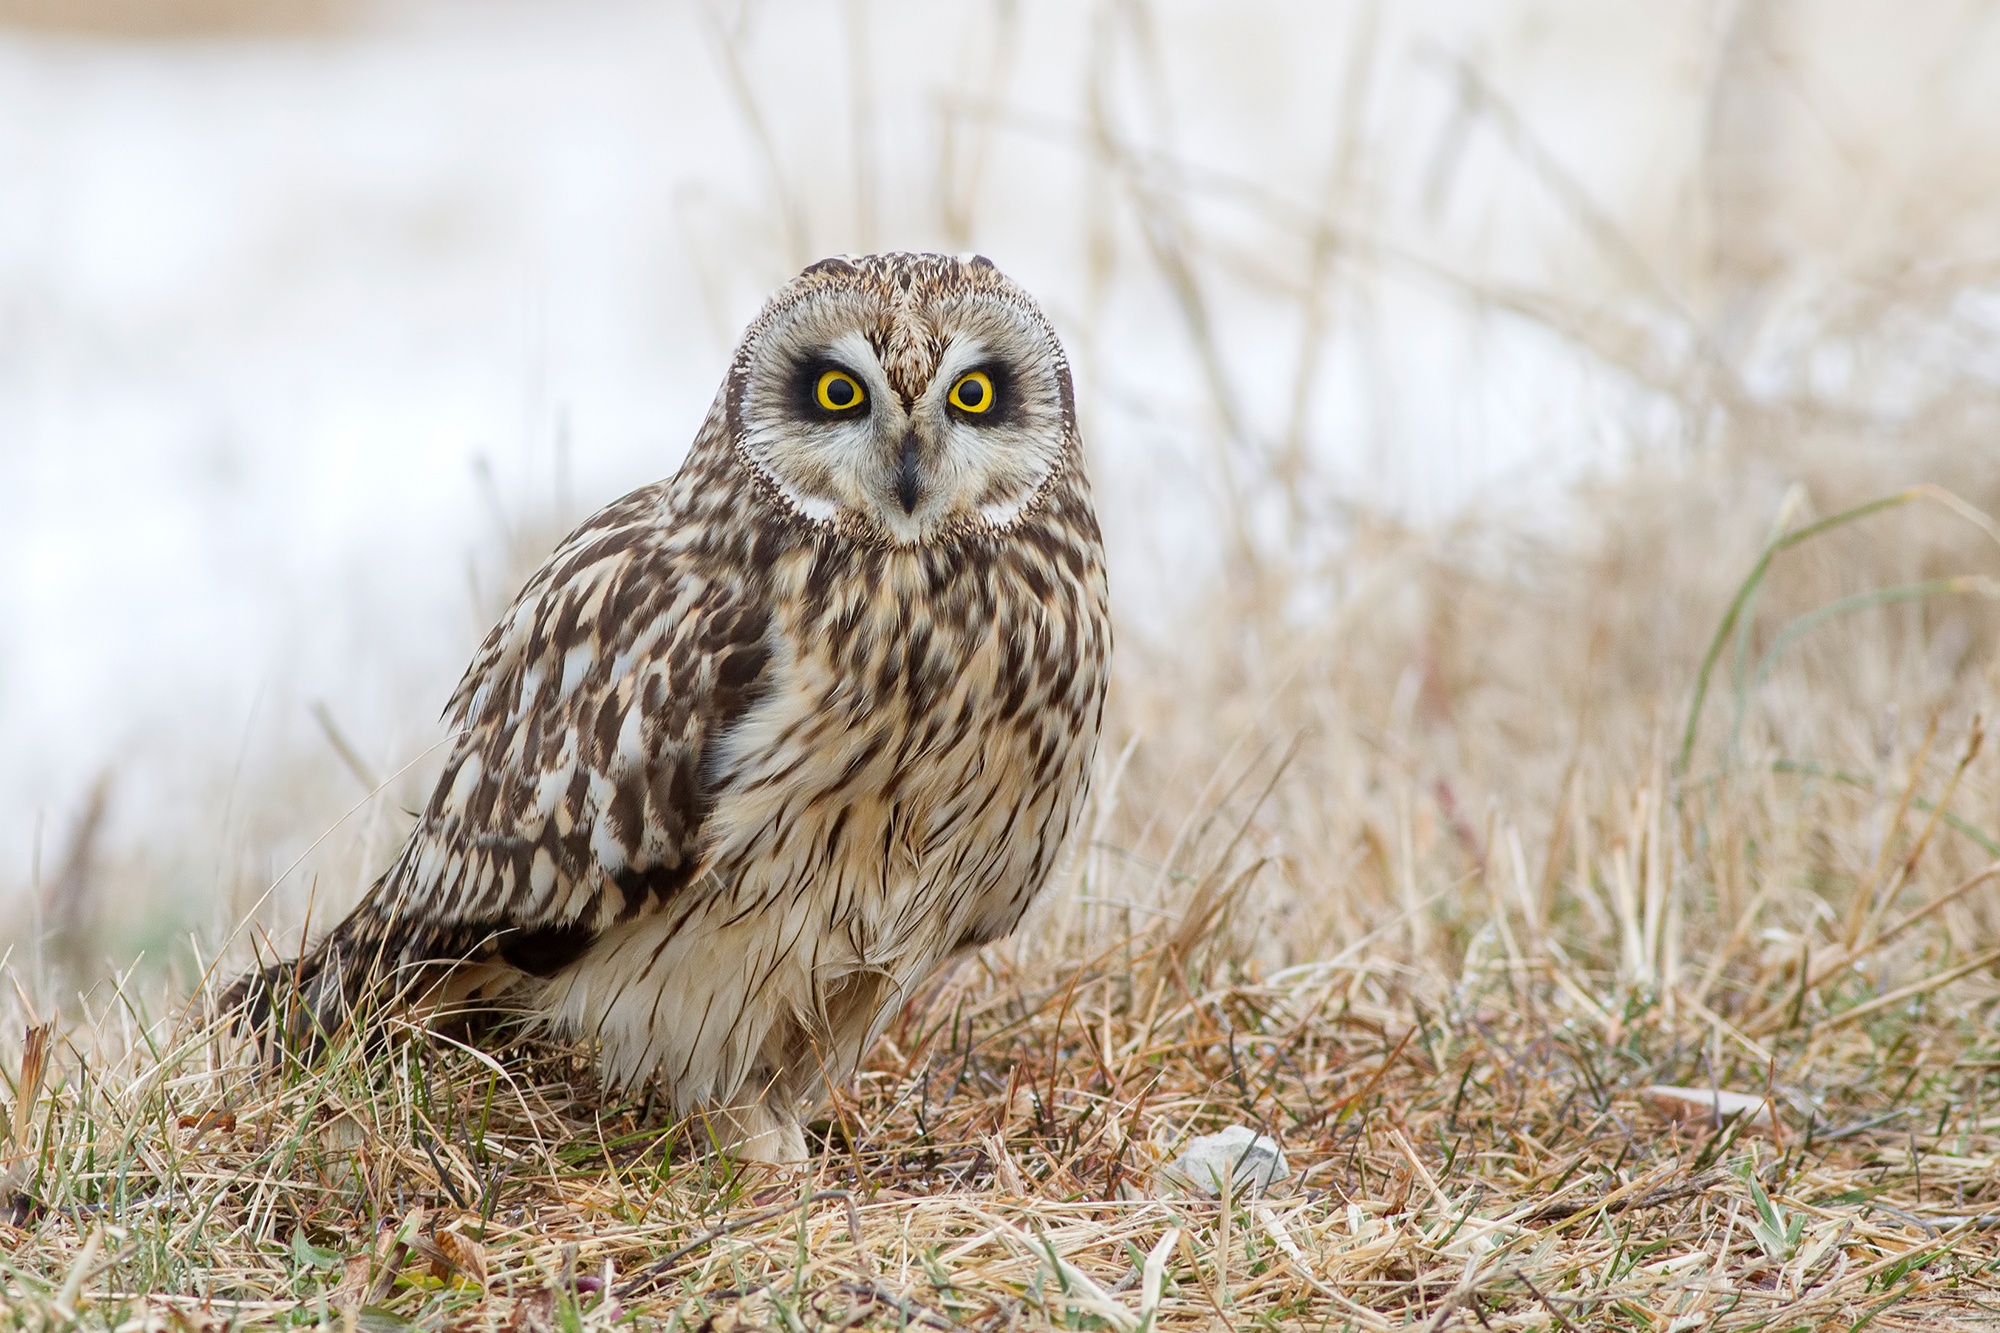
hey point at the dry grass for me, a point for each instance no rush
(1399, 852)
(1437, 930)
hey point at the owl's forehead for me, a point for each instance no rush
(908, 329)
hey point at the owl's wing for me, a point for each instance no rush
(577, 786)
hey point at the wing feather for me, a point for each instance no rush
(576, 790)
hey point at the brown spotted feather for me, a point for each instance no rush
(761, 746)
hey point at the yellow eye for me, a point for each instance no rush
(972, 393)
(838, 391)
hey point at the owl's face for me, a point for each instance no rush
(900, 398)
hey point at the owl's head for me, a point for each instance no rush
(903, 397)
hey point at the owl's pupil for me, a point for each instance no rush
(971, 393)
(840, 392)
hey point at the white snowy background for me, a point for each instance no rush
(305, 333)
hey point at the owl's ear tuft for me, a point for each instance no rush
(979, 264)
(840, 264)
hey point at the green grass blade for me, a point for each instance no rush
(1986, 841)
(1976, 584)
(1746, 591)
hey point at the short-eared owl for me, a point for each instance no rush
(763, 744)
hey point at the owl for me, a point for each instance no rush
(764, 745)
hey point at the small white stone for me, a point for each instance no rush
(1249, 1162)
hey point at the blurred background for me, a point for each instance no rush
(1475, 347)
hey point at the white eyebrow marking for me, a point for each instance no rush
(961, 355)
(852, 350)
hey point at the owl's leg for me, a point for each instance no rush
(764, 1120)
(759, 1126)
(800, 1061)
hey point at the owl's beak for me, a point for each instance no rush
(906, 474)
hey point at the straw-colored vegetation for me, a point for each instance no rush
(1438, 927)
(1436, 855)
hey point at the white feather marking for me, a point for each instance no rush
(609, 852)
(1002, 512)
(576, 662)
(818, 508)
(630, 756)
(427, 861)
(531, 685)
(553, 784)
(464, 784)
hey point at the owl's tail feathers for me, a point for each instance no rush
(303, 1004)
(368, 968)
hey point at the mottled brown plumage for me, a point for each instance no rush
(762, 745)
